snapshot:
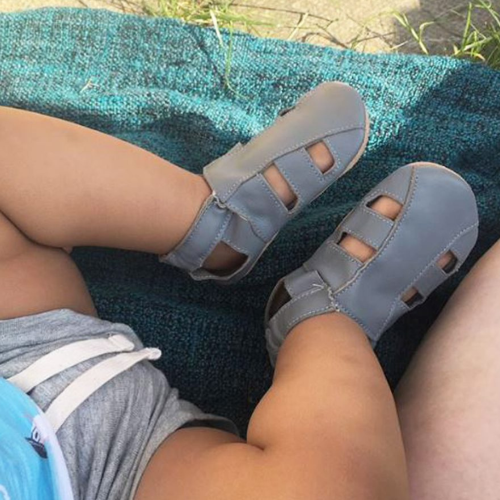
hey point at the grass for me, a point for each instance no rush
(216, 13)
(481, 44)
(227, 14)
(418, 34)
(480, 39)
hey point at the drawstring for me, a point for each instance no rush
(88, 382)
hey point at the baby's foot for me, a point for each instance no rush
(258, 187)
(404, 239)
(224, 258)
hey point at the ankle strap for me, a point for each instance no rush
(244, 231)
(203, 237)
(309, 295)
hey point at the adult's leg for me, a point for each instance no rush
(448, 401)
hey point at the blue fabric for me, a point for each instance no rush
(31, 467)
(160, 84)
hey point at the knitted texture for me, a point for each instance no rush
(161, 84)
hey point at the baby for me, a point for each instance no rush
(112, 427)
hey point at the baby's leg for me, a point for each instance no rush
(64, 185)
(326, 430)
(448, 401)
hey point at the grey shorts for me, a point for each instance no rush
(109, 438)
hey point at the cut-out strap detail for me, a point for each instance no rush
(368, 226)
(304, 177)
(430, 280)
(416, 299)
(334, 264)
(338, 145)
(256, 202)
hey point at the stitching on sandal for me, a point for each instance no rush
(364, 239)
(294, 187)
(243, 214)
(339, 165)
(458, 255)
(231, 243)
(289, 304)
(311, 164)
(371, 212)
(405, 209)
(331, 296)
(431, 263)
(275, 198)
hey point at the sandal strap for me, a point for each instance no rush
(395, 186)
(334, 264)
(256, 202)
(202, 238)
(434, 275)
(339, 147)
(310, 296)
(367, 225)
(431, 278)
(303, 176)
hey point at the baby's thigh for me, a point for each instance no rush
(35, 278)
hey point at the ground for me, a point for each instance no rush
(367, 25)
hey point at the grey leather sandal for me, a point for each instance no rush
(438, 215)
(244, 211)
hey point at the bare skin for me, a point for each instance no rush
(328, 427)
(330, 423)
(448, 400)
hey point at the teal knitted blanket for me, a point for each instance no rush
(162, 85)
